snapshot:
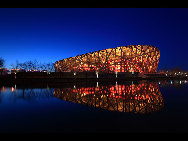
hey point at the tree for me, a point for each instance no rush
(50, 67)
(2, 62)
(34, 65)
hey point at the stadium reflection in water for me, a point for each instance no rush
(135, 98)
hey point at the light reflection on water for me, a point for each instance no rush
(13, 94)
(135, 98)
(142, 97)
(148, 106)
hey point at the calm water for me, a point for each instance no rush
(119, 107)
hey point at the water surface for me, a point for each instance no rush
(143, 106)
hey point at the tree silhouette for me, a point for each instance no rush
(2, 61)
(34, 65)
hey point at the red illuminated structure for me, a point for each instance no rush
(136, 98)
(132, 58)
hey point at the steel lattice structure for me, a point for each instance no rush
(136, 98)
(132, 58)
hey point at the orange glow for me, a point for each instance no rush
(137, 58)
(145, 96)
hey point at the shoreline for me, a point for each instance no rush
(63, 82)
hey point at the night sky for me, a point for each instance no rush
(51, 34)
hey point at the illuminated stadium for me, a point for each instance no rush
(132, 58)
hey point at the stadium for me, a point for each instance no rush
(132, 58)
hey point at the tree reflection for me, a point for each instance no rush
(135, 98)
(26, 94)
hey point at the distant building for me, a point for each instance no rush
(174, 72)
(44, 71)
(17, 70)
(3, 71)
(132, 58)
(33, 70)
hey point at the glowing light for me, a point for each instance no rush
(97, 74)
(3, 89)
(114, 59)
(133, 95)
(116, 74)
(12, 89)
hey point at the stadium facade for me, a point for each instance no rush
(132, 58)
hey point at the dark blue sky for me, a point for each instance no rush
(51, 34)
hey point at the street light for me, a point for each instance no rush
(97, 74)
